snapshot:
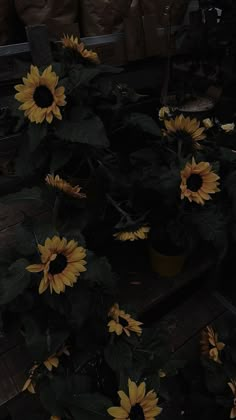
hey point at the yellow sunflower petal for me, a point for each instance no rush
(35, 268)
(132, 392)
(118, 412)
(124, 401)
(154, 412)
(43, 286)
(141, 392)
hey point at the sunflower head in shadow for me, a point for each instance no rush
(40, 95)
(137, 404)
(62, 185)
(199, 182)
(122, 322)
(185, 130)
(62, 262)
(75, 45)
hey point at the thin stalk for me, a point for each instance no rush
(55, 212)
(119, 209)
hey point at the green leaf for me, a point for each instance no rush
(144, 123)
(99, 272)
(28, 163)
(36, 132)
(44, 231)
(211, 226)
(49, 399)
(227, 155)
(118, 355)
(80, 303)
(23, 163)
(27, 194)
(60, 156)
(95, 403)
(153, 382)
(78, 414)
(90, 131)
(90, 407)
(81, 76)
(42, 344)
(14, 282)
(25, 241)
(216, 377)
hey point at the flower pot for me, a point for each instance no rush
(166, 265)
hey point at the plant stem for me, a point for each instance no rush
(119, 209)
(55, 212)
(180, 144)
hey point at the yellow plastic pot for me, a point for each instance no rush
(165, 265)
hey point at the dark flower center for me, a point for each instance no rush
(194, 182)
(123, 322)
(43, 97)
(58, 265)
(137, 413)
(184, 136)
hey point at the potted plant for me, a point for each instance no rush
(181, 181)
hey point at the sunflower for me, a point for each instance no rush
(61, 264)
(138, 405)
(185, 129)
(210, 345)
(29, 384)
(74, 44)
(122, 322)
(40, 95)
(198, 182)
(232, 386)
(62, 185)
(133, 235)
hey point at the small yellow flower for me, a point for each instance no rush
(51, 362)
(30, 384)
(137, 405)
(162, 374)
(198, 182)
(232, 386)
(228, 127)
(74, 44)
(164, 112)
(62, 262)
(208, 123)
(40, 96)
(64, 186)
(122, 322)
(133, 235)
(210, 345)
